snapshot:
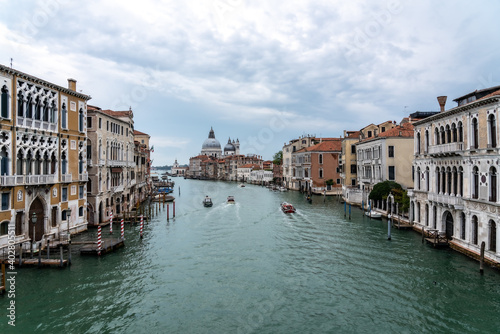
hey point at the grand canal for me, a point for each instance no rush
(249, 268)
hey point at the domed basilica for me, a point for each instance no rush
(211, 146)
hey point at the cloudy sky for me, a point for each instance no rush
(261, 71)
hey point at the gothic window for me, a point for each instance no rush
(443, 135)
(438, 181)
(80, 164)
(454, 133)
(418, 142)
(426, 214)
(448, 134)
(29, 108)
(460, 132)
(475, 182)
(493, 184)
(4, 163)
(493, 236)
(64, 164)
(20, 105)
(80, 120)
(64, 116)
(417, 179)
(4, 104)
(461, 181)
(475, 134)
(53, 113)
(426, 141)
(474, 230)
(427, 181)
(320, 157)
(462, 226)
(492, 131)
(38, 108)
(19, 163)
(436, 136)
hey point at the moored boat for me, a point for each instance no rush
(230, 200)
(374, 214)
(287, 207)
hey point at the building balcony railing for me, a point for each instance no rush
(446, 149)
(89, 163)
(83, 177)
(100, 162)
(15, 180)
(117, 189)
(40, 179)
(132, 182)
(446, 199)
(116, 163)
(7, 180)
(42, 125)
(66, 178)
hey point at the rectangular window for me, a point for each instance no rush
(369, 134)
(80, 191)
(391, 151)
(338, 181)
(353, 182)
(5, 201)
(383, 129)
(392, 173)
(353, 149)
(64, 194)
(89, 122)
(107, 125)
(100, 122)
(353, 169)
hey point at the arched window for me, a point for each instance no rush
(4, 227)
(80, 120)
(455, 181)
(321, 173)
(443, 180)
(474, 230)
(426, 214)
(4, 104)
(462, 226)
(80, 164)
(418, 212)
(20, 104)
(460, 132)
(436, 136)
(438, 181)
(475, 182)
(434, 217)
(29, 107)
(320, 158)
(426, 139)
(443, 135)
(4, 163)
(45, 111)
(492, 131)
(448, 134)
(53, 113)
(493, 236)
(461, 181)
(80, 211)
(19, 163)
(474, 134)
(64, 116)
(427, 181)
(64, 164)
(417, 179)
(29, 161)
(418, 142)
(448, 181)
(454, 133)
(493, 184)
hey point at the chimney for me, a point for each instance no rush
(442, 102)
(72, 84)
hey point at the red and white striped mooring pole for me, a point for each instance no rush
(142, 224)
(122, 231)
(111, 223)
(99, 242)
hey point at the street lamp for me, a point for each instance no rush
(33, 220)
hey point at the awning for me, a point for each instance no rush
(116, 169)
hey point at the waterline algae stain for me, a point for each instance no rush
(250, 268)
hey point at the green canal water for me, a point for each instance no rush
(249, 268)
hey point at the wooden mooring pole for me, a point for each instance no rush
(168, 211)
(481, 259)
(173, 209)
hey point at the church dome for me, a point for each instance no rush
(211, 142)
(229, 147)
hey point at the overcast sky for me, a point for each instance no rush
(261, 71)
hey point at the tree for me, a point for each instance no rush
(382, 189)
(278, 158)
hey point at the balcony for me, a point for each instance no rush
(117, 189)
(449, 200)
(65, 178)
(89, 163)
(116, 163)
(446, 149)
(132, 182)
(83, 177)
(7, 180)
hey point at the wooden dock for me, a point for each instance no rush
(108, 245)
(436, 239)
(401, 225)
(41, 263)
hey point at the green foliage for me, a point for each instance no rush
(278, 158)
(382, 189)
(329, 182)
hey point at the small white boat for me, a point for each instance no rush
(207, 202)
(241, 185)
(230, 200)
(374, 214)
(283, 189)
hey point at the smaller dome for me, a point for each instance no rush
(229, 147)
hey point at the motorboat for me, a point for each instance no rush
(283, 189)
(207, 202)
(287, 208)
(241, 185)
(230, 200)
(374, 214)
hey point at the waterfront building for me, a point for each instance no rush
(244, 172)
(348, 168)
(456, 165)
(178, 170)
(315, 165)
(141, 181)
(384, 155)
(43, 157)
(261, 176)
(288, 149)
(111, 164)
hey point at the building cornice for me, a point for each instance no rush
(39, 81)
(459, 109)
